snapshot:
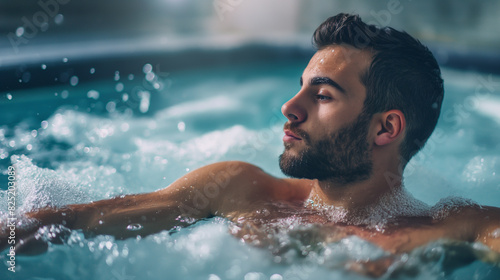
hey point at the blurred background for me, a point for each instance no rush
(53, 29)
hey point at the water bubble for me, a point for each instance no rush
(276, 277)
(495, 233)
(43, 66)
(34, 133)
(64, 94)
(44, 124)
(130, 77)
(29, 147)
(65, 59)
(12, 143)
(92, 70)
(125, 97)
(58, 19)
(101, 222)
(181, 126)
(73, 80)
(252, 276)
(119, 87)
(20, 31)
(213, 277)
(9, 96)
(134, 227)
(150, 76)
(117, 75)
(144, 103)
(111, 106)
(93, 94)
(147, 68)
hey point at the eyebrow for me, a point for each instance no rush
(315, 81)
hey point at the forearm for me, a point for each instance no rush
(122, 217)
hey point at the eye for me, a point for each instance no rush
(321, 97)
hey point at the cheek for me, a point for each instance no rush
(333, 120)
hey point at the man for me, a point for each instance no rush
(369, 100)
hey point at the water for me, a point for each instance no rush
(140, 130)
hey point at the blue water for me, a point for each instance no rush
(138, 132)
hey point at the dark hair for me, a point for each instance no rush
(403, 75)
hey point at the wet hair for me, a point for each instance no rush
(403, 75)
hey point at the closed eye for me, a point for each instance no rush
(320, 97)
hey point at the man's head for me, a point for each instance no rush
(365, 86)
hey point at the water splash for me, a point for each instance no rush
(134, 227)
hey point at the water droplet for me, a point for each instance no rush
(93, 94)
(213, 277)
(73, 80)
(150, 76)
(111, 106)
(58, 19)
(276, 277)
(20, 31)
(119, 87)
(147, 68)
(495, 233)
(181, 126)
(124, 127)
(144, 103)
(134, 227)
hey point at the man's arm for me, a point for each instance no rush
(488, 232)
(199, 194)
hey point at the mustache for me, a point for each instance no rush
(300, 132)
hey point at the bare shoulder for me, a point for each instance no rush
(483, 222)
(255, 182)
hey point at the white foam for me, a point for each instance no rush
(449, 205)
(398, 203)
(489, 107)
(79, 183)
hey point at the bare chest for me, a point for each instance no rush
(396, 236)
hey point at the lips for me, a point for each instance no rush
(290, 136)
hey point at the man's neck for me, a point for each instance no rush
(357, 195)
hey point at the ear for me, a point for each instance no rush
(391, 125)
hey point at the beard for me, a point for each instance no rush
(344, 157)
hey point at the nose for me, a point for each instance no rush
(293, 110)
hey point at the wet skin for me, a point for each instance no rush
(244, 193)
